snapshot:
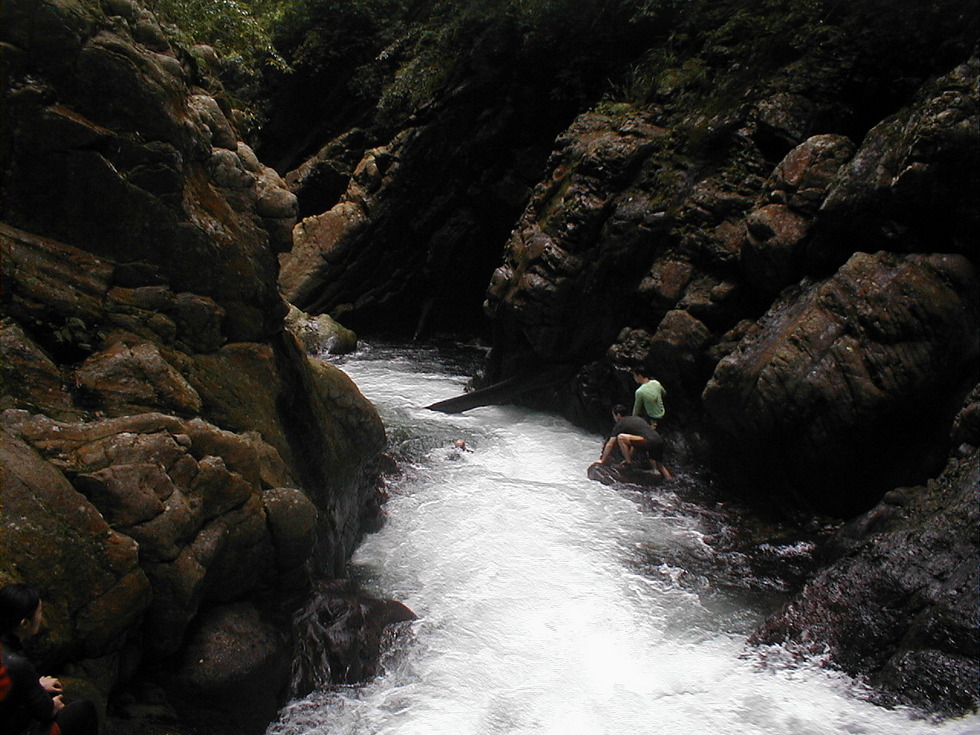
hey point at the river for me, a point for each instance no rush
(539, 611)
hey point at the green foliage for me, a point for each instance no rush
(425, 44)
(317, 33)
(716, 49)
(75, 332)
(240, 30)
(375, 63)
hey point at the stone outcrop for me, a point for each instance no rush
(899, 607)
(113, 147)
(170, 452)
(664, 234)
(575, 253)
(340, 631)
(911, 185)
(320, 334)
(385, 256)
(54, 535)
(186, 494)
(836, 392)
(743, 277)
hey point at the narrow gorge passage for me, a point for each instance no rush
(536, 616)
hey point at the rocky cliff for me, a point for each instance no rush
(780, 224)
(174, 464)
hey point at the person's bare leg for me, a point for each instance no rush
(626, 442)
(662, 469)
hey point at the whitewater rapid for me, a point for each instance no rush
(535, 617)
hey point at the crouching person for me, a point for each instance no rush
(632, 433)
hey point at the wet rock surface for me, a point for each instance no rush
(340, 631)
(899, 607)
(233, 671)
(823, 391)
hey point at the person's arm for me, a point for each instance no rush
(637, 403)
(27, 685)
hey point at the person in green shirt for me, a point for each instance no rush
(649, 397)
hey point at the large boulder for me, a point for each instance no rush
(847, 387)
(779, 228)
(913, 183)
(95, 589)
(340, 630)
(185, 493)
(569, 262)
(320, 335)
(233, 672)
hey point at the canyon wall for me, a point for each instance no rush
(174, 464)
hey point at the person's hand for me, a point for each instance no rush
(58, 704)
(50, 685)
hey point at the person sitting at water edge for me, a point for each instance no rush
(649, 397)
(30, 703)
(630, 433)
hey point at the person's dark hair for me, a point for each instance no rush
(17, 602)
(641, 371)
(620, 410)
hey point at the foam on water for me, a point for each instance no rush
(532, 617)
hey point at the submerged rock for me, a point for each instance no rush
(620, 474)
(339, 634)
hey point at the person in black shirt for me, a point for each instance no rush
(27, 700)
(630, 433)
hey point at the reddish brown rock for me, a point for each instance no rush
(93, 586)
(837, 394)
(152, 395)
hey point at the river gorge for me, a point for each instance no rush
(246, 244)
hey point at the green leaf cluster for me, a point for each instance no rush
(241, 31)
(712, 47)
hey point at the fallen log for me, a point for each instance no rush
(503, 392)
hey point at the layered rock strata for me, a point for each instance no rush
(175, 466)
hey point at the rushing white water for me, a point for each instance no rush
(533, 618)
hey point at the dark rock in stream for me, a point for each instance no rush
(900, 607)
(339, 636)
(234, 672)
(623, 474)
